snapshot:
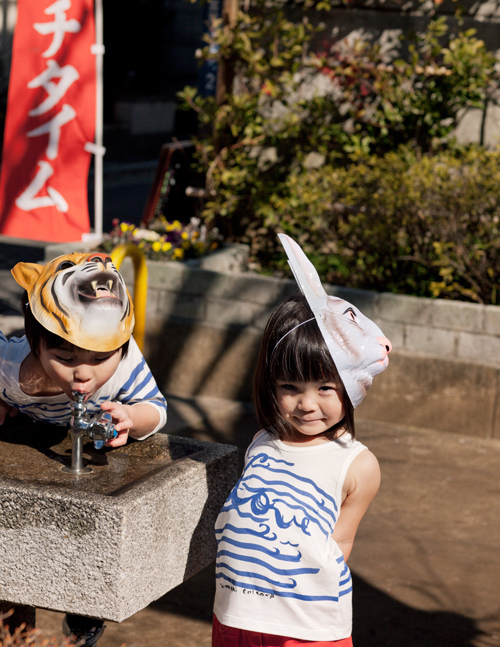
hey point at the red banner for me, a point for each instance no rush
(50, 119)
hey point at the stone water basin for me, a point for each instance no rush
(107, 543)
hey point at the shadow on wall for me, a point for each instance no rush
(192, 358)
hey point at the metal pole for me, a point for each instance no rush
(99, 154)
(96, 147)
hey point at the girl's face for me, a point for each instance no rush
(76, 369)
(312, 408)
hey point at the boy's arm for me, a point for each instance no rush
(137, 407)
(137, 421)
(361, 484)
(145, 418)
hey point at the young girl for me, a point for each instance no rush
(287, 529)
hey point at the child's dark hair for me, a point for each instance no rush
(39, 336)
(301, 355)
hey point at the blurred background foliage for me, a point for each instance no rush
(349, 148)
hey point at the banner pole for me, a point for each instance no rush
(99, 156)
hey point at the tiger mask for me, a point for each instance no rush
(80, 297)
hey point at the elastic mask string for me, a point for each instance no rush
(291, 330)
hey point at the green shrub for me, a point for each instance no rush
(287, 146)
(427, 225)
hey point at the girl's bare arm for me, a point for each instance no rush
(360, 487)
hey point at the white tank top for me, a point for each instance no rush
(278, 570)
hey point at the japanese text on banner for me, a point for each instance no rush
(50, 119)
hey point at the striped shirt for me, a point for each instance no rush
(132, 383)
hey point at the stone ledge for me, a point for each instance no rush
(204, 329)
(436, 393)
(109, 543)
(434, 327)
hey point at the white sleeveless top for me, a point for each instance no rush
(278, 570)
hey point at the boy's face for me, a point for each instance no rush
(76, 369)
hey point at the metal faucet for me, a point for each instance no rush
(83, 424)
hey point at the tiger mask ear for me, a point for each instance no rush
(27, 274)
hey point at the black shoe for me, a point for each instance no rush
(83, 632)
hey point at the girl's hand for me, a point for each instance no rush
(6, 410)
(121, 420)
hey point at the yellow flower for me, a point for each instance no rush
(156, 246)
(166, 246)
(184, 235)
(124, 226)
(176, 225)
(178, 254)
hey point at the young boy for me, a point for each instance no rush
(79, 319)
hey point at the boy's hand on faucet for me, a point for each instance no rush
(121, 420)
(6, 410)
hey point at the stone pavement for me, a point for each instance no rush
(426, 561)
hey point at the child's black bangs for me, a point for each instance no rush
(304, 357)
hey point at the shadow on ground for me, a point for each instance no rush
(379, 620)
(183, 618)
(382, 621)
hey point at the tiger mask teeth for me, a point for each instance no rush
(108, 287)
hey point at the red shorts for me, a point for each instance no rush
(223, 636)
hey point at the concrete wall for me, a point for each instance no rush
(205, 322)
(204, 328)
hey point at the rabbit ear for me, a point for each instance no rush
(304, 272)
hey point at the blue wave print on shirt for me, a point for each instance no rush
(269, 489)
(277, 510)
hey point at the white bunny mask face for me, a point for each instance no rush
(357, 345)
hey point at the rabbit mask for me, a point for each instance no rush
(357, 345)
